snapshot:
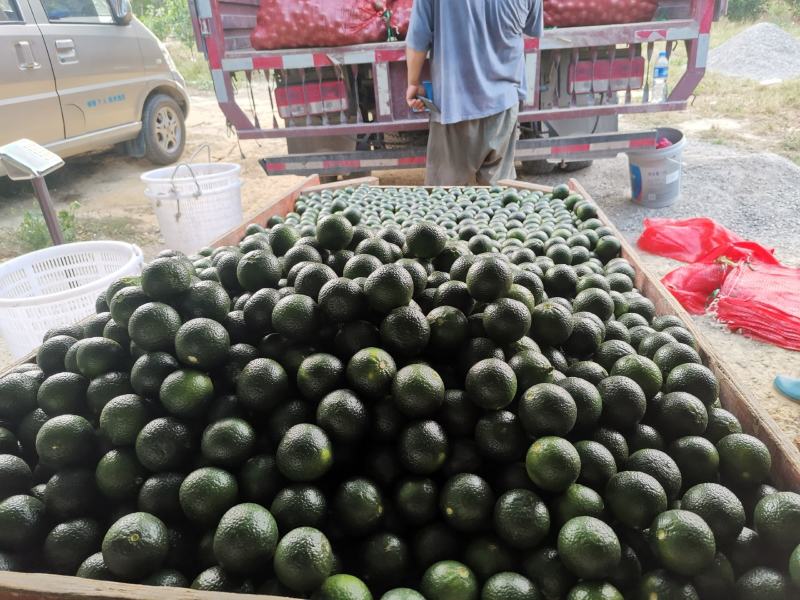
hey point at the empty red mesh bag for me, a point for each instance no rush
(575, 13)
(687, 240)
(751, 291)
(695, 285)
(318, 23)
(739, 251)
(762, 301)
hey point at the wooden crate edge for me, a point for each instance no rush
(734, 398)
(39, 586)
(279, 205)
(344, 183)
(525, 185)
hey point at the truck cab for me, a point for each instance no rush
(78, 75)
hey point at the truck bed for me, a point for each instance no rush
(579, 79)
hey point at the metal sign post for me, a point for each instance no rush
(27, 160)
(48, 211)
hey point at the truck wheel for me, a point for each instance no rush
(536, 167)
(575, 165)
(164, 130)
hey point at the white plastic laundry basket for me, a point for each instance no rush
(195, 203)
(58, 286)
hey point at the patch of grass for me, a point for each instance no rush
(791, 142)
(713, 136)
(192, 65)
(32, 233)
(785, 13)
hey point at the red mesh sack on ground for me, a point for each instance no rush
(696, 284)
(686, 240)
(575, 13)
(739, 251)
(763, 302)
(314, 23)
(741, 282)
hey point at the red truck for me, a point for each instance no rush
(342, 110)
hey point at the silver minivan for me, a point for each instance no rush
(77, 75)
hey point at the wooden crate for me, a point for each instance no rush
(754, 420)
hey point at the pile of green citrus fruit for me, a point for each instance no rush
(396, 394)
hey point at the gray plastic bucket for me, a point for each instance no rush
(656, 174)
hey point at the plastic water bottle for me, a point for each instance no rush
(659, 91)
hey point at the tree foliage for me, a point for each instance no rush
(166, 18)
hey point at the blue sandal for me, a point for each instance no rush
(788, 386)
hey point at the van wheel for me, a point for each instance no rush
(164, 130)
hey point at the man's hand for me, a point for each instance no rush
(412, 92)
(415, 60)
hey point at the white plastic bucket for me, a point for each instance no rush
(195, 203)
(58, 286)
(656, 173)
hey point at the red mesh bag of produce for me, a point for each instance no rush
(575, 13)
(762, 301)
(316, 23)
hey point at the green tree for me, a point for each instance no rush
(166, 19)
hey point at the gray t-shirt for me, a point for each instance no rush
(477, 53)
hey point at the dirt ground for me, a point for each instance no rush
(107, 185)
(113, 206)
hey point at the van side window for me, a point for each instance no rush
(78, 11)
(9, 12)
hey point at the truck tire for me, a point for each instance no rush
(575, 165)
(164, 130)
(536, 167)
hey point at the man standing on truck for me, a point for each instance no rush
(478, 76)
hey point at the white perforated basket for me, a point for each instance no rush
(58, 286)
(195, 203)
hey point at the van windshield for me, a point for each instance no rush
(78, 11)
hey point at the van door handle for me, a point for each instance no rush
(65, 49)
(25, 56)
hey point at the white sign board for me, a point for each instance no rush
(25, 159)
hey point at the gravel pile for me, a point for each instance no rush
(763, 52)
